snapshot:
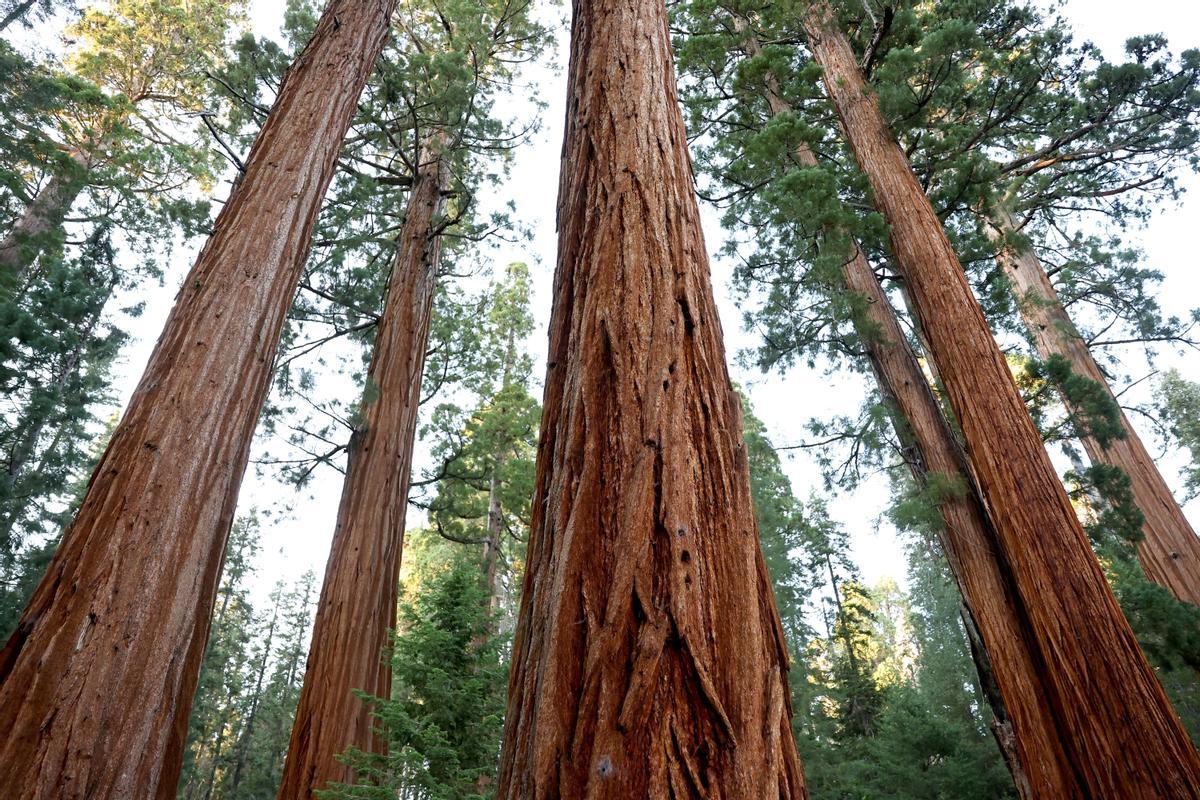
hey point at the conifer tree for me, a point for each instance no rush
(648, 642)
(1036, 527)
(771, 182)
(97, 681)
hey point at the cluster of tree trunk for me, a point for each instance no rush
(97, 681)
(649, 659)
(1130, 743)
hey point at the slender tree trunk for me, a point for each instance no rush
(992, 615)
(1169, 550)
(30, 429)
(1116, 725)
(358, 598)
(18, 11)
(242, 748)
(44, 214)
(491, 548)
(649, 660)
(97, 681)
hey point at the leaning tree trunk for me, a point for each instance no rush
(18, 11)
(993, 617)
(1118, 729)
(1169, 551)
(358, 597)
(42, 217)
(649, 660)
(97, 681)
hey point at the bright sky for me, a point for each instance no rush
(300, 540)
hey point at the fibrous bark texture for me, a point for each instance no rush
(649, 660)
(1169, 551)
(97, 681)
(993, 615)
(1117, 727)
(358, 597)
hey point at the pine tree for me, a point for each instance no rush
(648, 640)
(133, 586)
(213, 725)
(1036, 526)
(443, 723)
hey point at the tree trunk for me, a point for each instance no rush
(1118, 729)
(649, 660)
(358, 598)
(97, 681)
(243, 743)
(44, 214)
(993, 617)
(29, 431)
(18, 11)
(1169, 550)
(491, 548)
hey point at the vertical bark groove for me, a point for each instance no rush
(1169, 551)
(1118, 729)
(97, 681)
(649, 659)
(358, 597)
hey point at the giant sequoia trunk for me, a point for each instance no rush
(1169, 550)
(649, 660)
(1119, 731)
(97, 681)
(358, 598)
(993, 617)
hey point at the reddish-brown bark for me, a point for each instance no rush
(1170, 549)
(1118, 729)
(97, 681)
(649, 660)
(993, 615)
(358, 597)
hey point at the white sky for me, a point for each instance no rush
(300, 540)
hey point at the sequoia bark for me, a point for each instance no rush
(1169, 551)
(1117, 727)
(993, 614)
(649, 660)
(97, 681)
(358, 597)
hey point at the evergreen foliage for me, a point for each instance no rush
(443, 723)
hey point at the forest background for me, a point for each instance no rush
(297, 524)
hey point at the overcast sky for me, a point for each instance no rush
(300, 540)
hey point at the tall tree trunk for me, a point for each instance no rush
(1116, 725)
(44, 214)
(1169, 550)
(358, 598)
(97, 681)
(649, 660)
(993, 617)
